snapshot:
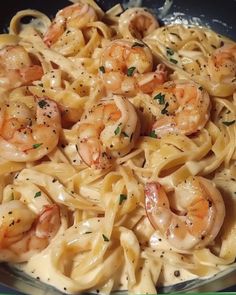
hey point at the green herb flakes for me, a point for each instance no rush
(169, 51)
(117, 130)
(36, 145)
(130, 71)
(102, 69)
(105, 238)
(122, 198)
(165, 111)
(228, 123)
(174, 61)
(38, 194)
(160, 97)
(153, 134)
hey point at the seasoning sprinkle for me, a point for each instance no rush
(42, 103)
(125, 134)
(136, 44)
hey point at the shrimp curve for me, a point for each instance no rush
(25, 136)
(77, 15)
(109, 129)
(126, 68)
(137, 23)
(222, 64)
(185, 108)
(22, 232)
(17, 67)
(197, 217)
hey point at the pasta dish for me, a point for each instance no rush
(117, 149)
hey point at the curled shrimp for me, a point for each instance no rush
(196, 218)
(126, 68)
(185, 108)
(17, 67)
(109, 129)
(76, 15)
(137, 23)
(222, 64)
(28, 135)
(22, 232)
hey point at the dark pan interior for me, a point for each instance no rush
(218, 14)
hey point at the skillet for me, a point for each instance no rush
(216, 14)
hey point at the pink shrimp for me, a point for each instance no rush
(17, 67)
(76, 16)
(222, 64)
(126, 68)
(22, 231)
(25, 136)
(185, 108)
(196, 218)
(110, 128)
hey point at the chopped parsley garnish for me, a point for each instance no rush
(169, 51)
(37, 145)
(153, 134)
(42, 103)
(228, 123)
(130, 71)
(105, 238)
(160, 97)
(102, 69)
(122, 198)
(124, 134)
(174, 61)
(117, 130)
(136, 44)
(200, 88)
(38, 194)
(165, 111)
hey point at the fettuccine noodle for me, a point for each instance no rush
(117, 150)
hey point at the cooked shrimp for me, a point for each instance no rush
(17, 68)
(108, 129)
(22, 232)
(197, 217)
(185, 108)
(25, 136)
(126, 68)
(137, 23)
(77, 15)
(222, 64)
